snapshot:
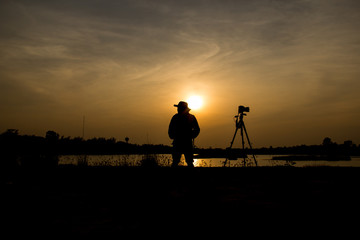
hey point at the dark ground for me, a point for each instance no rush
(101, 201)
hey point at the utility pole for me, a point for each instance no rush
(83, 130)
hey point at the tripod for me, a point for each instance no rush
(241, 125)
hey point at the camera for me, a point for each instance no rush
(243, 109)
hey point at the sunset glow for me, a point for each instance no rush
(195, 102)
(123, 64)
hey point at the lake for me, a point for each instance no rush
(165, 161)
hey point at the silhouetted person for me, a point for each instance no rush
(183, 129)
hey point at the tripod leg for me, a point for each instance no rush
(243, 141)
(232, 142)
(247, 136)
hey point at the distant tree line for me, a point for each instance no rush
(12, 141)
(19, 149)
(327, 147)
(25, 150)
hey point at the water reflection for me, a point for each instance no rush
(165, 160)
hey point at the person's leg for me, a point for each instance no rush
(176, 158)
(189, 158)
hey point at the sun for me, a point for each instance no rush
(195, 102)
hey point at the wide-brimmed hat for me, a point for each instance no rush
(182, 105)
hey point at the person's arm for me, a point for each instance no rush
(171, 130)
(195, 128)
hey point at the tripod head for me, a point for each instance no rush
(239, 119)
(240, 116)
(241, 113)
(243, 109)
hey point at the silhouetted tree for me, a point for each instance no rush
(52, 136)
(9, 145)
(327, 141)
(10, 133)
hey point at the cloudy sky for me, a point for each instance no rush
(123, 64)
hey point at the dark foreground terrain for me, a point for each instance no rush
(103, 201)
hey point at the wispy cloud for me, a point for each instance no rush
(128, 58)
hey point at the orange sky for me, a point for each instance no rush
(123, 64)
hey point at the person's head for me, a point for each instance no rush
(182, 107)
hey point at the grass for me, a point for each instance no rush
(82, 161)
(149, 160)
